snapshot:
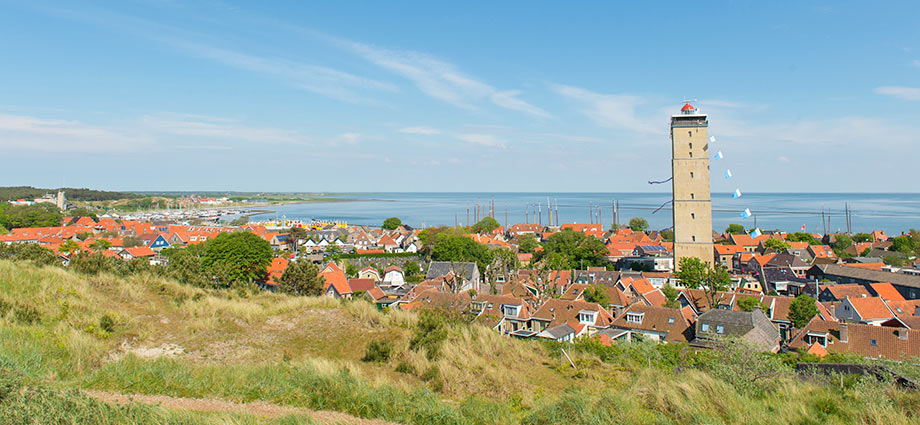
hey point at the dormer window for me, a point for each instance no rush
(634, 317)
(670, 320)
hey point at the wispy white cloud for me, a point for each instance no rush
(427, 131)
(56, 135)
(915, 63)
(611, 110)
(901, 92)
(488, 140)
(508, 99)
(317, 79)
(783, 159)
(350, 138)
(439, 79)
(216, 127)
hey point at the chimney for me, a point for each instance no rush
(844, 332)
(902, 333)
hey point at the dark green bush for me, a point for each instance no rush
(405, 367)
(107, 323)
(430, 332)
(378, 351)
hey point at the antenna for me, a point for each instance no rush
(689, 101)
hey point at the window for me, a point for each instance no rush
(693, 238)
(634, 317)
(693, 216)
(691, 146)
(873, 342)
(690, 133)
(670, 320)
(705, 327)
(691, 174)
(691, 154)
(692, 197)
(720, 329)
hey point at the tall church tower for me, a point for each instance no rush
(692, 206)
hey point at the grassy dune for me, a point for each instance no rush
(62, 332)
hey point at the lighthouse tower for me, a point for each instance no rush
(692, 205)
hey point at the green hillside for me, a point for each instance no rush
(79, 349)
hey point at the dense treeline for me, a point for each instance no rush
(38, 215)
(74, 194)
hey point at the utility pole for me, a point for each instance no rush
(540, 212)
(823, 223)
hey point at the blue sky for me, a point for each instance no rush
(806, 96)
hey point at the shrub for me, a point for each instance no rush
(378, 351)
(27, 314)
(107, 323)
(430, 332)
(405, 367)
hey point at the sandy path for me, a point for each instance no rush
(216, 405)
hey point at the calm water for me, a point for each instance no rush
(893, 213)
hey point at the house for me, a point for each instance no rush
(275, 271)
(878, 342)
(869, 310)
(336, 283)
(752, 327)
(136, 252)
(906, 284)
(654, 323)
(583, 317)
(616, 298)
(723, 254)
(508, 315)
(841, 292)
(359, 284)
(821, 252)
(468, 273)
(369, 273)
(394, 276)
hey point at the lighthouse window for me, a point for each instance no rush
(691, 146)
(691, 174)
(693, 216)
(693, 238)
(691, 154)
(690, 133)
(691, 196)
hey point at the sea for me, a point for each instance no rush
(815, 212)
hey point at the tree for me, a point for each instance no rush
(457, 248)
(302, 278)
(85, 235)
(893, 260)
(351, 270)
(841, 243)
(100, 245)
(670, 295)
(638, 224)
(862, 237)
(803, 237)
(613, 227)
(667, 235)
(486, 225)
(131, 241)
(801, 310)
(83, 212)
(735, 229)
(903, 244)
(750, 303)
(38, 215)
(412, 269)
(597, 294)
(695, 274)
(69, 247)
(778, 245)
(298, 235)
(240, 221)
(528, 243)
(243, 256)
(568, 249)
(391, 223)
